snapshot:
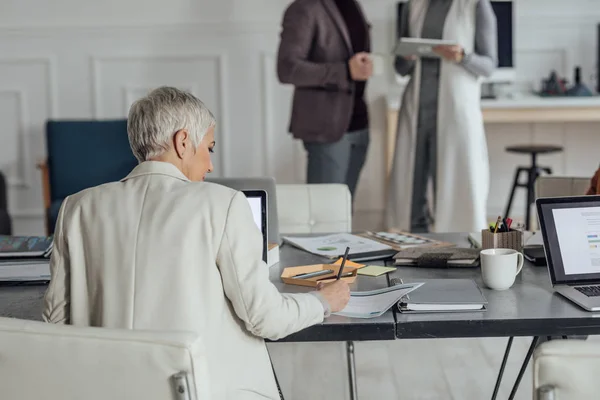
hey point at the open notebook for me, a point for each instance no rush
(374, 303)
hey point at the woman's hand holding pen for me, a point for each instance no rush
(337, 294)
(450, 52)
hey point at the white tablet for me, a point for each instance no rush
(419, 47)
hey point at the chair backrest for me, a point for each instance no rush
(560, 186)
(45, 361)
(566, 370)
(264, 183)
(83, 154)
(314, 208)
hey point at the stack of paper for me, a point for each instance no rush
(24, 270)
(376, 302)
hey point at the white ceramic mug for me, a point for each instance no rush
(499, 267)
(378, 61)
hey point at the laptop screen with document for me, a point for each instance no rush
(258, 204)
(571, 231)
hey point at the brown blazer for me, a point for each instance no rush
(313, 56)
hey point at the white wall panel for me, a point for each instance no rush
(84, 59)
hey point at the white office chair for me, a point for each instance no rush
(45, 361)
(558, 186)
(315, 208)
(566, 370)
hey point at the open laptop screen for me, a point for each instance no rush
(571, 231)
(258, 204)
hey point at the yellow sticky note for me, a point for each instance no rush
(375, 270)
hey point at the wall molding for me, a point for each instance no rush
(207, 28)
(49, 63)
(32, 213)
(220, 61)
(128, 97)
(230, 27)
(268, 130)
(23, 179)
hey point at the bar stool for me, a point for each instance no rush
(533, 171)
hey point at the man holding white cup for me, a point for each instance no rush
(324, 53)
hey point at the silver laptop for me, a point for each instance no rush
(257, 200)
(571, 231)
(265, 183)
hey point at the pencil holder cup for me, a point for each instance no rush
(502, 240)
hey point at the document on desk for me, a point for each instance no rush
(375, 303)
(333, 246)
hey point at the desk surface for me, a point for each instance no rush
(335, 328)
(529, 308)
(26, 302)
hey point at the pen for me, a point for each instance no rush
(497, 223)
(313, 274)
(333, 277)
(339, 275)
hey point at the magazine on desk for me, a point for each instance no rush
(25, 246)
(399, 240)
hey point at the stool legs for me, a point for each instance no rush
(532, 176)
(515, 185)
(533, 173)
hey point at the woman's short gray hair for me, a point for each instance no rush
(154, 119)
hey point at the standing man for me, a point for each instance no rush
(324, 53)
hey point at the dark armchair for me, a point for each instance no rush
(5, 221)
(82, 154)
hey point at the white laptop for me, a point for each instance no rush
(571, 232)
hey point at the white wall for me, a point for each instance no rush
(83, 59)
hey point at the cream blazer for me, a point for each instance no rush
(158, 252)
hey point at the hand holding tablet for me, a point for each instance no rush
(412, 48)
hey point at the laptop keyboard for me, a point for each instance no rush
(589, 291)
